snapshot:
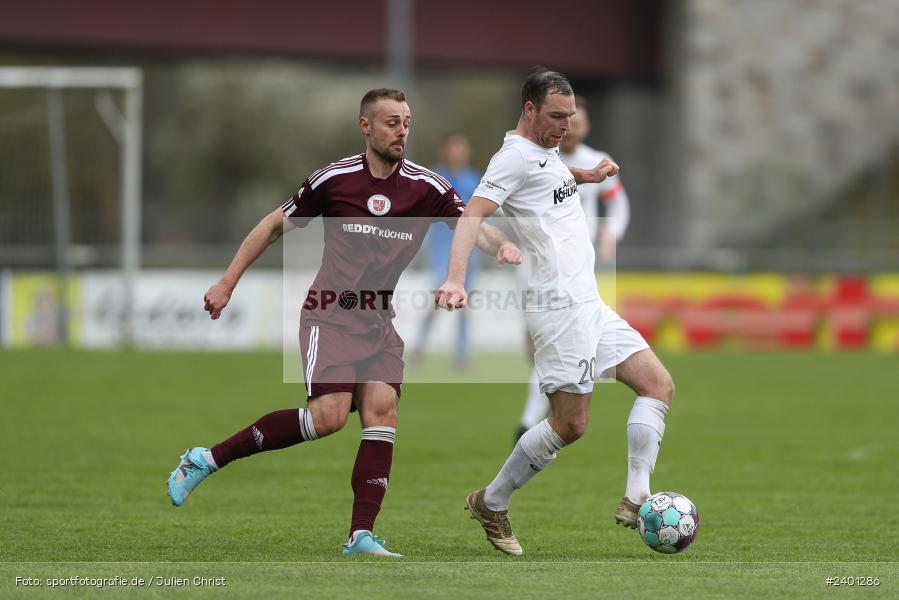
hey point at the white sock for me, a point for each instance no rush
(380, 433)
(355, 535)
(307, 427)
(645, 428)
(532, 453)
(536, 407)
(207, 456)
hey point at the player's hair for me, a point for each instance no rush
(372, 96)
(542, 82)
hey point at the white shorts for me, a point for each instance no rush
(579, 343)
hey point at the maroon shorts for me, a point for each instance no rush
(335, 361)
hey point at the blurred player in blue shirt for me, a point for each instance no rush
(455, 156)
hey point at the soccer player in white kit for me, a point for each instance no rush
(576, 336)
(611, 193)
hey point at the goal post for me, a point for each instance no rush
(125, 125)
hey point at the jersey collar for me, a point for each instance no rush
(374, 179)
(513, 134)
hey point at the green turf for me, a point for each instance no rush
(790, 459)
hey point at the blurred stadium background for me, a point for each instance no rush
(759, 144)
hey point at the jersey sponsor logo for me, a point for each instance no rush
(379, 205)
(493, 185)
(566, 190)
(383, 232)
(543, 164)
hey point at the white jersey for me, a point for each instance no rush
(536, 189)
(585, 157)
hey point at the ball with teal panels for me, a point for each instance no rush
(668, 522)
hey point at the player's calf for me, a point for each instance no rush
(533, 452)
(274, 431)
(645, 429)
(371, 476)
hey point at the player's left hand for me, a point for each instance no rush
(451, 295)
(606, 168)
(508, 254)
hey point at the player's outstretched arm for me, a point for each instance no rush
(268, 230)
(598, 174)
(492, 240)
(452, 293)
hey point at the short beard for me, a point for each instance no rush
(391, 160)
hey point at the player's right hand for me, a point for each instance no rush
(216, 299)
(606, 168)
(451, 295)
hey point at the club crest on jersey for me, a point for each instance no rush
(379, 205)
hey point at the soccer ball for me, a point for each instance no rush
(668, 522)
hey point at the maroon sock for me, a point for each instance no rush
(370, 475)
(274, 431)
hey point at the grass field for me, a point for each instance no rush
(790, 459)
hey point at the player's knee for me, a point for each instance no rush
(657, 384)
(666, 390)
(573, 430)
(329, 423)
(662, 387)
(671, 390)
(384, 416)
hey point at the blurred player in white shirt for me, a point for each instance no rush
(575, 153)
(576, 336)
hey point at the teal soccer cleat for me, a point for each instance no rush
(368, 543)
(192, 469)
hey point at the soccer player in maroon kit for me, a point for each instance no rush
(352, 355)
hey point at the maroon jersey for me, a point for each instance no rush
(372, 230)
